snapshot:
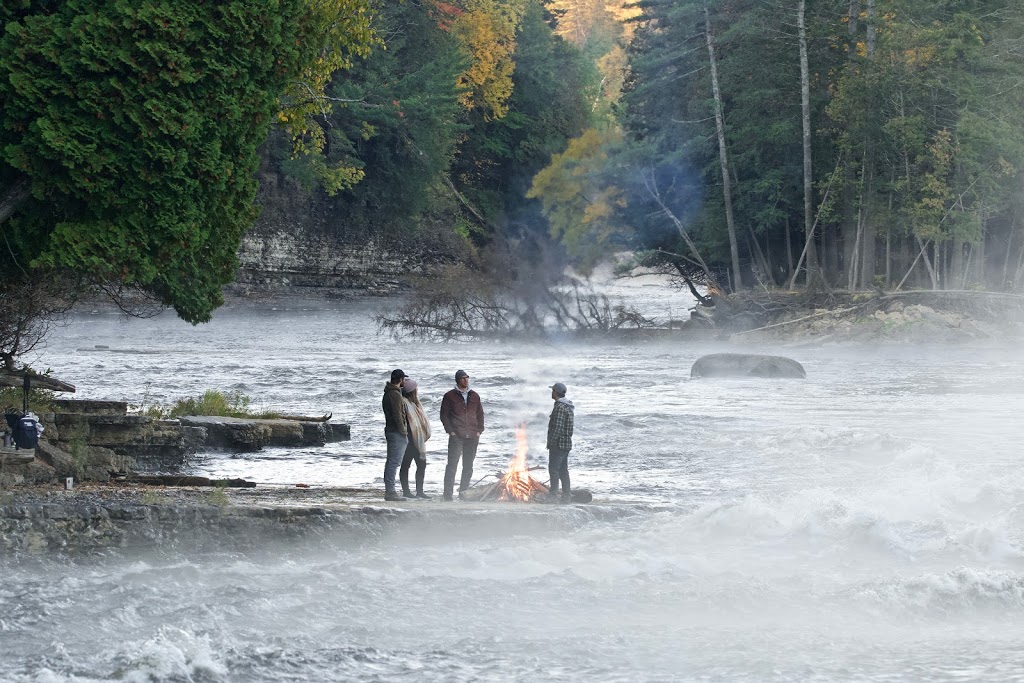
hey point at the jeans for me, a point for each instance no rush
(464, 449)
(397, 443)
(421, 469)
(558, 469)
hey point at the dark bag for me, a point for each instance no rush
(25, 433)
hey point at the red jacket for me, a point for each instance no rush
(463, 418)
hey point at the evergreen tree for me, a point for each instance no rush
(129, 130)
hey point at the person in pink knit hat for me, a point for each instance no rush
(419, 432)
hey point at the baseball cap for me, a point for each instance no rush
(396, 375)
(558, 388)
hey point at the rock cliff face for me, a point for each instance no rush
(302, 245)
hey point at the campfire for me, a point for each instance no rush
(515, 484)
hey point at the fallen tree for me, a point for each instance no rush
(497, 299)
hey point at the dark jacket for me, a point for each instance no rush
(394, 410)
(560, 425)
(463, 418)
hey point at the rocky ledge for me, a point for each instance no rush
(91, 440)
(100, 517)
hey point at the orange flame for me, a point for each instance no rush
(516, 482)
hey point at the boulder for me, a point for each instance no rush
(747, 365)
(57, 458)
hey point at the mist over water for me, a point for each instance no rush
(864, 524)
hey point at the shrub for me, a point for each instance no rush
(217, 403)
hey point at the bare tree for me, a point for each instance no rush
(517, 291)
(651, 185)
(30, 304)
(34, 301)
(805, 105)
(723, 155)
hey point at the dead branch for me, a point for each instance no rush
(463, 303)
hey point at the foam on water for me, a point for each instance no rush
(864, 524)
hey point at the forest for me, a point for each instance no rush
(741, 144)
(856, 145)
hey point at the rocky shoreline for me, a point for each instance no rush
(95, 518)
(915, 317)
(97, 440)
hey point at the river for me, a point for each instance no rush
(864, 524)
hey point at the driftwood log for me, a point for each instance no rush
(496, 490)
(304, 418)
(527, 491)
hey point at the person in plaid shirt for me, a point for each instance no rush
(560, 426)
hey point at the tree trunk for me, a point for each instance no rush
(904, 251)
(851, 224)
(852, 25)
(651, 185)
(928, 264)
(956, 264)
(762, 262)
(869, 249)
(789, 250)
(888, 255)
(723, 156)
(14, 196)
(1019, 272)
(968, 267)
(869, 257)
(851, 277)
(871, 29)
(805, 105)
(980, 271)
(923, 252)
(1009, 247)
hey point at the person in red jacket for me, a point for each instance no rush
(462, 415)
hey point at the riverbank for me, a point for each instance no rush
(915, 317)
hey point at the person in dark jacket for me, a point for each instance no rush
(560, 428)
(462, 415)
(396, 431)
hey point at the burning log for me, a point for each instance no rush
(509, 488)
(515, 484)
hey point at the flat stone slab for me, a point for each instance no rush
(747, 365)
(250, 434)
(16, 456)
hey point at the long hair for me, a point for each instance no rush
(413, 396)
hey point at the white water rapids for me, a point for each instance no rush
(864, 524)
